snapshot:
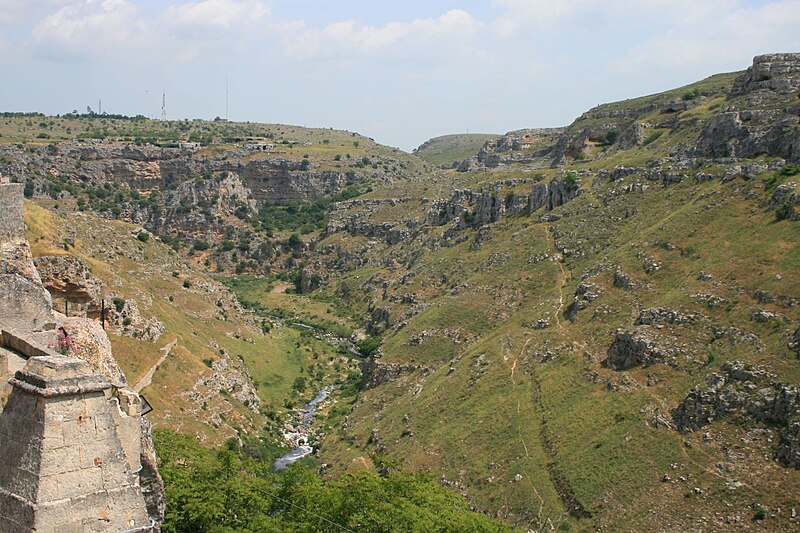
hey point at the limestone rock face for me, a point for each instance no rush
(63, 465)
(229, 375)
(658, 315)
(787, 195)
(740, 393)
(128, 321)
(92, 345)
(375, 372)
(68, 279)
(794, 343)
(12, 225)
(83, 497)
(553, 194)
(25, 306)
(774, 72)
(630, 349)
(758, 127)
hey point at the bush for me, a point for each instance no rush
(571, 182)
(199, 245)
(127, 321)
(369, 346)
(691, 94)
(187, 284)
(299, 384)
(784, 212)
(790, 169)
(143, 236)
(654, 136)
(234, 489)
(611, 137)
(119, 303)
(760, 513)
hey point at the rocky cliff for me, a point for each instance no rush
(28, 323)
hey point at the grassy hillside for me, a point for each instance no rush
(202, 316)
(498, 333)
(448, 148)
(543, 323)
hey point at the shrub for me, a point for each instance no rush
(790, 169)
(187, 284)
(369, 346)
(127, 321)
(785, 211)
(654, 136)
(143, 236)
(691, 94)
(611, 137)
(119, 303)
(199, 245)
(760, 513)
(571, 181)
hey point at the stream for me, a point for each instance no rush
(299, 436)
(330, 338)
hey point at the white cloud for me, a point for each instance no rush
(549, 15)
(93, 25)
(223, 13)
(718, 39)
(119, 29)
(350, 38)
(14, 11)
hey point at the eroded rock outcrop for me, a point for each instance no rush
(740, 393)
(375, 372)
(230, 376)
(29, 322)
(774, 72)
(554, 194)
(126, 319)
(634, 348)
(70, 282)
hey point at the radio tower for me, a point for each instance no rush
(164, 105)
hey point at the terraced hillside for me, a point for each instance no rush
(444, 150)
(230, 194)
(608, 340)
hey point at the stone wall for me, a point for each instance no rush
(12, 225)
(63, 466)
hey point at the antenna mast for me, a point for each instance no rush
(164, 105)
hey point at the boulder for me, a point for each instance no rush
(630, 349)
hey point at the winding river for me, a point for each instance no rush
(299, 436)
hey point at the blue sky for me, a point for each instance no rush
(398, 71)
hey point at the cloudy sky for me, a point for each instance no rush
(400, 71)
